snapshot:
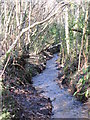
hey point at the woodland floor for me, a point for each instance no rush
(70, 81)
(20, 99)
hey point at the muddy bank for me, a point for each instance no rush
(24, 103)
(20, 99)
(77, 83)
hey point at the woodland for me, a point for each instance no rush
(31, 32)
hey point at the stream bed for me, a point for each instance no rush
(64, 105)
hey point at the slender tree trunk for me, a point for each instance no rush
(76, 27)
(5, 22)
(63, 55)
(5, 12)
(67, 29)
(22, 26)
(83, 38)
(87, 45)
(17, 12)
(18, 22)
(30, 9)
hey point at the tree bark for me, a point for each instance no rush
(30, 27)
(83, 38)
(67, 29)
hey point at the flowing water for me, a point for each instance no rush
(64, 104)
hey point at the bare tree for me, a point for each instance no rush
(83, 38)
(67, 29)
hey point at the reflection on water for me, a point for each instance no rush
(64, 104)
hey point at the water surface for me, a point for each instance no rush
(64, 104)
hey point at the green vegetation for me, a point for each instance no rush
(29, 28)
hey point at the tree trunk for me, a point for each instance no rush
(30, 9)
(67, 29)
(17, 12)
(83, 38)
(76, 26)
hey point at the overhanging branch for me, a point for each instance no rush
(30, 27)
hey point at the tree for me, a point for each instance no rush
(83, 38)
(16, 30)
(67, 29)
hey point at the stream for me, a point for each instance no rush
(64, 104)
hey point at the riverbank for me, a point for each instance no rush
(20, 99)
(64, 105)
(24, 100)
(77, 83)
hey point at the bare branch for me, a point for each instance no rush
(30, 27)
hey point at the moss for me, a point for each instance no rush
(83, 85)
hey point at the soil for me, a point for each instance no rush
(70, 81)
(20, 99)
(18, 92)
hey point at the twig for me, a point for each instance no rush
(16, 64)
(21, 82)
(79, 30)
(32, 26)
